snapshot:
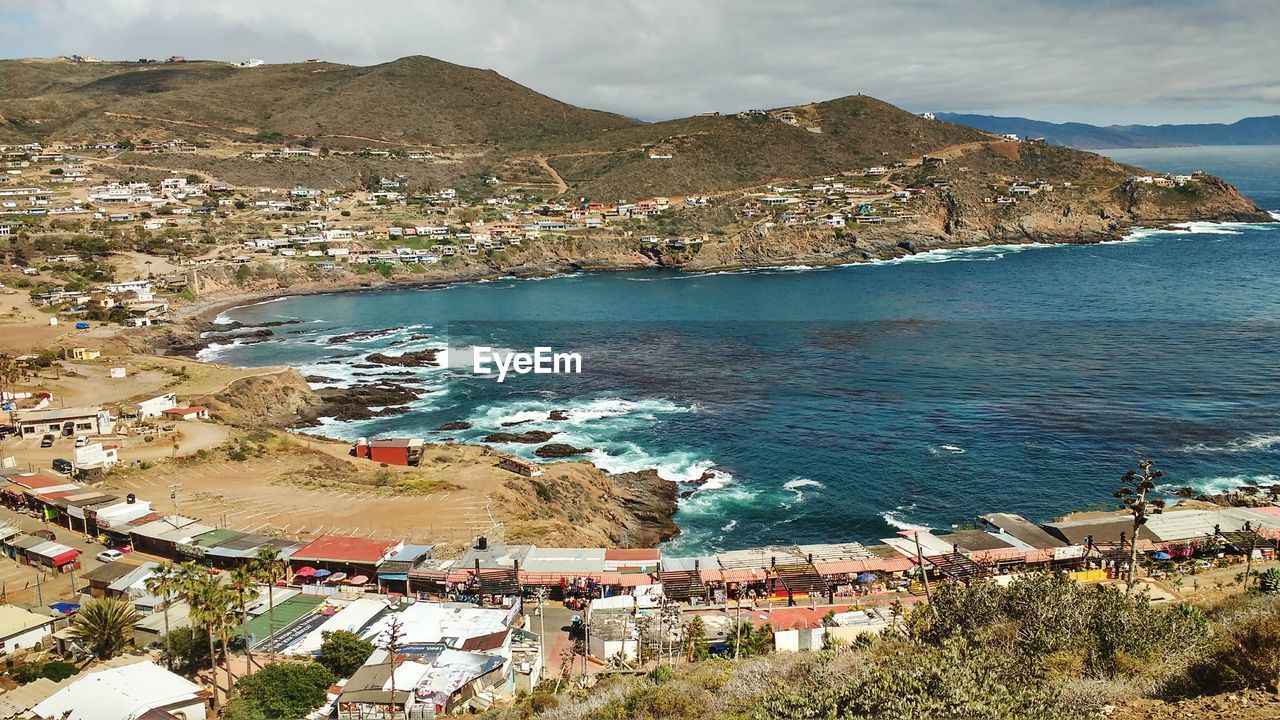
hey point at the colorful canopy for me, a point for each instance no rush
(321, 573)
(868, 577)
(359, 580)
(306, 571)
(338, 577)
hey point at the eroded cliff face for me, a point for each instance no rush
(962, 216)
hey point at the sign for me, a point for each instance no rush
(117, 372)
(1070, 552)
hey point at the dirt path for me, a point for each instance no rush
(561, 186)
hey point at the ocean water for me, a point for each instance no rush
(844, 403)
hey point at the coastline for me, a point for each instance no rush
(209, 310)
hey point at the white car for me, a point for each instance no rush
(82, 441)
(107, 556)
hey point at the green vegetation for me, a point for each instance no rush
(104, 626)
(343, 652)
(282, 691)
(1042, 648)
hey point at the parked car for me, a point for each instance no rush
(46, 441)
(63, 466)
(82, 440)
(7, 430)
(107, 556)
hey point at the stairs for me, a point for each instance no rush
(682, 584)
(802, 578)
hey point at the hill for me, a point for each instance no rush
(476, 124)
(1249, 131)
(411, 101)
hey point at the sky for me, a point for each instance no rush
(1097, 61)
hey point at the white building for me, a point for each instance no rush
(22, 629)
(142, 689)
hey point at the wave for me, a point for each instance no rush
(893, 518)
(1224, 483)
(983, 253)
(1249, 443)
(795, 487)
(946, 449)
(729, 526)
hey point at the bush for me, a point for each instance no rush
(58, 670)
(343, 652)
(190, 648)
(284, 691)
(1245, 655)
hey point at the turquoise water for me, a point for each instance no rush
(841, 403)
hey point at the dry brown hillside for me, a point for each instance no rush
(414, 100)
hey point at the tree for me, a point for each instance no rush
(189, 648)
(391, 638)
(695, 640)
(104, 626)
(164, 582)
(1136, 484)
(343, 652)
(285, 690)
(244, 588)
(270, 568)
(209, 601)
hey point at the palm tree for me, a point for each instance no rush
(270, 568)
(243, 589)
(209, 600)
(105, 626)
(164, 581)
(1135, 486)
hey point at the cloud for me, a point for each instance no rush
(664, 58)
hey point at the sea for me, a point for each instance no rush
(797, 404)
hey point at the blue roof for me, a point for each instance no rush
(411, 552)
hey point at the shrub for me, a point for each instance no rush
(343, 652)
(285, 690)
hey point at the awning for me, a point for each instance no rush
(636, 579)
(744, 574)
(65, 557)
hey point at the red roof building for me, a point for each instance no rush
(344, 553)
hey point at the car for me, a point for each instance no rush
(46, 441)
(7, 430)
(82, 440)
(63, 466)
(46, 534)
(107, 556)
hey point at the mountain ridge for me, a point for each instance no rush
(1262, 130)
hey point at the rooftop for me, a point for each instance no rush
(340, 549)
(121, 693)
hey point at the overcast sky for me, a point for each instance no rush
(1100, 61)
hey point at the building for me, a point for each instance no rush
(392, 451)
(195, 412)
(162, 537)
(85, 353)
(22, 629)
(520, 466)
(65, 421)
(352, 555)
(132, 692)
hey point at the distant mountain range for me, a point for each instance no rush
(1249, 131)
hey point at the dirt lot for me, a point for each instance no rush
(304, 488)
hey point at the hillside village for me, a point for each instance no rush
(165, 492)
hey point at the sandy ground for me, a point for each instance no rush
(24, 328)
(251, 497)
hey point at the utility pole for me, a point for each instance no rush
(542, 632)
(924, 574)
(39, 592)
(173, 495)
